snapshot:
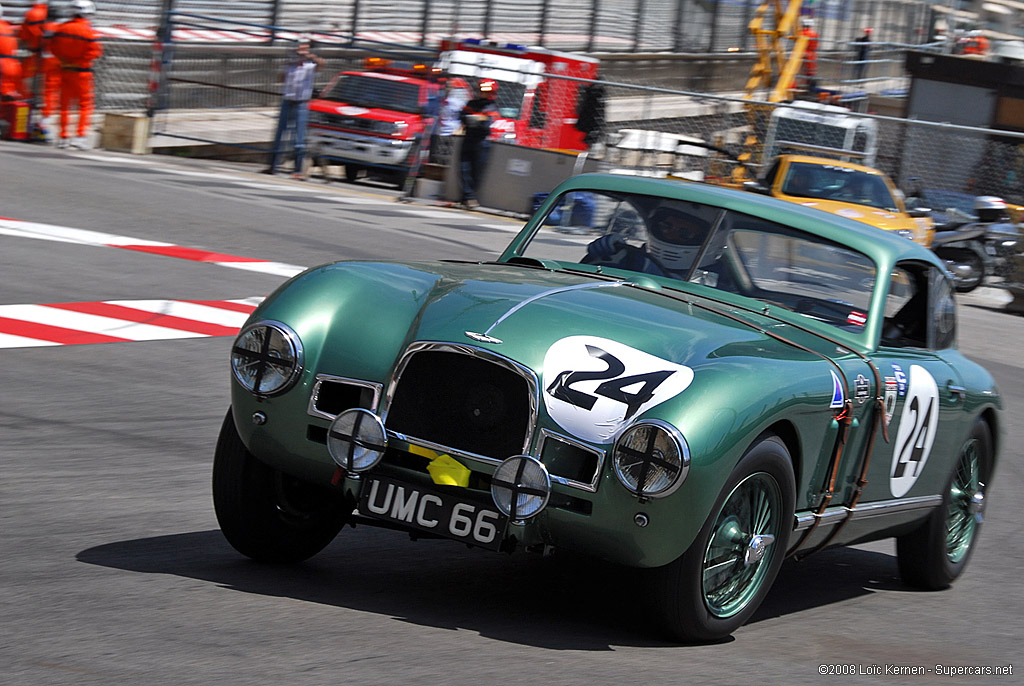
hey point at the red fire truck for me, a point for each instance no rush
(373, 120)
(537, 108)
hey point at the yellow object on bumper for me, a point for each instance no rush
(444, 469)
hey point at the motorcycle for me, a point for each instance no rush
(976, 251)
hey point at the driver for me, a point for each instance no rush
(673, 240)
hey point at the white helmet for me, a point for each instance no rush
(674, 237)
(83, 8)
(989, 208)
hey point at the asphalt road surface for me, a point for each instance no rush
(113, 570)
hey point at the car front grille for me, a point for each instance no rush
(465, 399)
(342, 121)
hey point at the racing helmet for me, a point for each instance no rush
(82, 8)
(488, 88)
(989, 208)
(674, 238)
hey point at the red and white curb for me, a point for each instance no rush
(65, 234)
(115, 321)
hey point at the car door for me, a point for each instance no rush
(923, 391)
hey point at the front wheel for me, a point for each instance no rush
(967, 268)
(266, 514)
(935, 554)
(718, 583)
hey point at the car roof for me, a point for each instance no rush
(884, 247)
(808, 159)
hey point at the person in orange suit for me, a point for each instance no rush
(35, 33)
(809, 70)
(76, 45)
(10, 66)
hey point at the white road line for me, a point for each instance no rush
(273, 268)
(51, 316)
(187, 310)
(11, 341)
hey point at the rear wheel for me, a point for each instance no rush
(934, 555)
(266, 514)
(718, 583)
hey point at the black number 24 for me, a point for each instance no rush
(613, 386)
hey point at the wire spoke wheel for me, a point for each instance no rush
(740, 550)
(961, 521)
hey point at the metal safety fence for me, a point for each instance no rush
(229, 94)
(588, 25)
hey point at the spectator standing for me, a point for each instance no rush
(590, 117)
(298, 76)
(76, 46)
(40, 69)
(862, 50)
(477, 117)
(10, 67)
(453, 98)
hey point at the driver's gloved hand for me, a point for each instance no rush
(606, 246)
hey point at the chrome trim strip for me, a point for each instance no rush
(438, 448)
(311, 410)
(877, 509)
(601, 454)
(488, 356)
(554, 291)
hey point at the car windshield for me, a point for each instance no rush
(832, 182)
(691, 242)
(376, 92)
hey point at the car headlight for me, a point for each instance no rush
(356, 440)
(651, 458)
(520, 487)
(266, 358)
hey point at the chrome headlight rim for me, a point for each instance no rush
(674, 436)
(293, 344)
(500, 485)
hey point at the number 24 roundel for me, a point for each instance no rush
(593, 386)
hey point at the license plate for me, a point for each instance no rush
(433, 511)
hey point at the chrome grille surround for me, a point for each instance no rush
(532, 383)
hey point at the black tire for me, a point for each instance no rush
(975, 274)
(690, 609)
(352, 172)
(266, 514)
(932, 556)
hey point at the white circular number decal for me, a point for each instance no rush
(918, 423)
(594, 386)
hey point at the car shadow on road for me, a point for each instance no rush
(559, 602)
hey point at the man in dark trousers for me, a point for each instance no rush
(298, 78)
(477, 116)
(862, 48)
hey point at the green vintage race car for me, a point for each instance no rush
(671, 376)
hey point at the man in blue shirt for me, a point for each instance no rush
(298, 77)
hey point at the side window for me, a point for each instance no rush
(920, 310)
